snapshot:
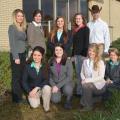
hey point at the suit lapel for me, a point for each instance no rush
(53, 68)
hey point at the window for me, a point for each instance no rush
(28, 7)
(47, 8)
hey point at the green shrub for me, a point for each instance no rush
(116, 44)
(5, 71)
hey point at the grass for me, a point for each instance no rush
(110, 110)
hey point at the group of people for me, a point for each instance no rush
(54, 78)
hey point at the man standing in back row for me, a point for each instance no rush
(99, 31)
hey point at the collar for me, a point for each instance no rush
(113, 63)
(79, 27)
(33, 65)
(36, 24)
(99, 19)
(89, 62)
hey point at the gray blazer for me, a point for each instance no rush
(17, 40)
(65, 77)
(35, 36)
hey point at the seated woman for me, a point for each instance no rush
(92, 75)
(61, 74)
(112, 72)
(35, 81)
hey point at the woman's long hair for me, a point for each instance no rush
(83, 18)
(43, 62)
(64, 56)
(74, 21)
(39, 49)
(55, 28)
(21, 27)
(97, 58)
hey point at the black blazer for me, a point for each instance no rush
(31, 79)
(67, 46)
(113, 74)
(81, 41)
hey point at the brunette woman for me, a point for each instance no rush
(35, 80)
(35, 32)
(61, 35)
(112, 73)
(61, 75)
(80, 45)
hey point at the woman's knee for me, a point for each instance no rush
(68, 90)
(87, 86)
(46, 89)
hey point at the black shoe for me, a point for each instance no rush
(68, 105)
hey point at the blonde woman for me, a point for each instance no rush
(17, 40)
(92, 74)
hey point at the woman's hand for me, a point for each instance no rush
(55, 89)
(33, 92)
(17, 61)
(109, 81)
(83, 82)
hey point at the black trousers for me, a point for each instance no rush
(17, 71)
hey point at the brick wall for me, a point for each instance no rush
(6, 9)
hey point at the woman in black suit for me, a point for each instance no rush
(61, 35)
(35, 80)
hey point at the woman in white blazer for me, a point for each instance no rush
(92, 74)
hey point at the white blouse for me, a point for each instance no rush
(93, 76)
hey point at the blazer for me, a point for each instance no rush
(17, 41)
(31, 79)
(92, 76)
(113, 73)
(65, 76)
(67, 46)
(81, 41)
(35, 36)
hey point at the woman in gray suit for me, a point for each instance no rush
(61, 74)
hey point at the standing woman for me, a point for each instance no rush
(80, 45)
(61, 75)
(35, 80)
(60, 34)
(35, 32)
(17, 39)
(92, 74)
